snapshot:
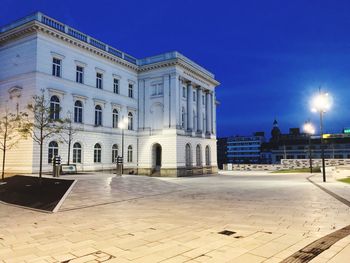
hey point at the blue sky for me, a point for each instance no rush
(270, 56)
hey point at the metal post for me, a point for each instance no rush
(310, 156)
(322, 147)
(122, 151)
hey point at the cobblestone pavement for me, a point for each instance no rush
(142, 219)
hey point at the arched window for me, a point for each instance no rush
(52, 151)
(183, 118)
(98, 115)
(114, 153)
(198, 155)
(54, 108)
(115, 116)
(130, 121)
(207, 155)
(76, 153)
(97, 153)
(78, 111)
(129, 154)
(188, 155)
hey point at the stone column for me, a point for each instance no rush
(214, 113)
(208, 112)
(189, 106)
(199, 111)
(166, 101)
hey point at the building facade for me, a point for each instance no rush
(298, 145)
(167, 101)
(245, 149)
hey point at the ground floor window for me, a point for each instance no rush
(97, 153)
(130, 154)
(76, 153)
(188, 155)
(207, 155)
(52, 151)
(114, 153)
(198, 155)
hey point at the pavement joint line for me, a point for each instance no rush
(320, 245)
(118, 201)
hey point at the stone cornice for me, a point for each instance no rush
(40, 28)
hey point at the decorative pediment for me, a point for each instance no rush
(56, 92)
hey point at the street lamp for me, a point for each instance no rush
(123, 124)
(321, 103)
(309, 129)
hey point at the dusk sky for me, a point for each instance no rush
(270, 56)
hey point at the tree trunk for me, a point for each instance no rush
(41, 159)
(69, 144)
(3, 164)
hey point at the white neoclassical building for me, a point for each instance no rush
(167, 101)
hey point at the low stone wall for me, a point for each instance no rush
(252, 167)
(305, 163)
(286, 164)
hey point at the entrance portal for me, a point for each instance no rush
(157, 156)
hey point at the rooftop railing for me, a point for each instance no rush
(38, 16)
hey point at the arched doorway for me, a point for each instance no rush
(157, 156)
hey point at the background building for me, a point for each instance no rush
(168, 101)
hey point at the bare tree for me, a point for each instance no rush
(42, 123)
(69, 132)
(9, 134)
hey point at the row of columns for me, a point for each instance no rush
(209, 110)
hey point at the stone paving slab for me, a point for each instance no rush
(143, 219)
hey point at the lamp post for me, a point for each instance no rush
(321, 103)
(309, 129)
(122, 125)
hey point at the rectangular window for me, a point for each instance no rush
(157, 89)
(56, 67)
(79, 74)
(116, 86)
(184, 92)
(131, 91)
(99, 78)
(194, 96)
(203, 100)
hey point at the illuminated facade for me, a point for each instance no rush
(168, 101)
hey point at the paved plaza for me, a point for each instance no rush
(268, 217)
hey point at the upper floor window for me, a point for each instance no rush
(157, 89)
(54, 108)
(184, 92)
(194, 96)
(116, 86)
(131, 90)
(78, 111)
(99, 78)
(115, 118)
(79, 77)
(98, 115)
(203, 100)
(56, 67)
(130, 121)
(183, 118)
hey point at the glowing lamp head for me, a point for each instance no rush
(123, 123)
(322, 102)
(309, 128)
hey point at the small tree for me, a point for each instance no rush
(41, 125)
(9, 134)
(69, 132)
